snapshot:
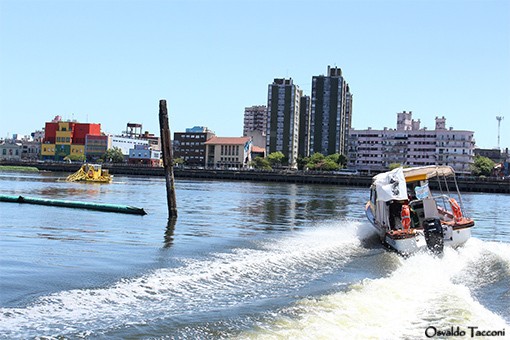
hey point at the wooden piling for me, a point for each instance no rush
(167, 159)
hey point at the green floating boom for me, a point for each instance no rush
(124, 209)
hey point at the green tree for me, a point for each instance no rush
(60, 155)
(321, 163)
(114, 155)
(261, 163)
(276, 158)
(393, 166)
(342, 161)
(334, 157)
(301, 162)
(339, 159)
(316, 157)
(328, 164)
(482, 166)
(314, 161)
(75, 158)
(178, 161)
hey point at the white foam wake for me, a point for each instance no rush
(424, 291)
(226, 279)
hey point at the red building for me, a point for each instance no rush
(63, 139)
(77, 132)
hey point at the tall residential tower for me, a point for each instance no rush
(304, 126)
(331, 113)
(255, 119)
(283, 108)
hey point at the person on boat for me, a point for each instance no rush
(411, 192)
(395, 210)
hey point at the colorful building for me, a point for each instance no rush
(144, 154)
(62, 139)
(96, 146)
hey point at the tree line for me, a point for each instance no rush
(482, 166)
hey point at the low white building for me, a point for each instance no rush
(227, 152)
(10, 150)
(126, 143)
(374, 150)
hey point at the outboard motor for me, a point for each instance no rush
(434, 235)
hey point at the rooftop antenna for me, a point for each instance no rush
(499, 118)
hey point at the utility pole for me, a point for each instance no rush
(499, 118)
(167, 159)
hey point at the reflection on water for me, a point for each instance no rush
(169, 232)
(212, 215)
(266, 258)
(289, 205)
(68, 192)
(490, 212)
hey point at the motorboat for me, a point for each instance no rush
(408, 217)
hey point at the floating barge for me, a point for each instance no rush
(117, 208)
(92, 173)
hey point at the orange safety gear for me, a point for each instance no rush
(457, 213)
(405, 217)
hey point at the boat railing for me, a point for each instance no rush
(442, 200)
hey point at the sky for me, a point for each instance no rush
(111, 61)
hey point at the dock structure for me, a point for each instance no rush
(117, 208)
(465, 183)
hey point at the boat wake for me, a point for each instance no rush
(273, 270)
(277, 289)
(425, 294)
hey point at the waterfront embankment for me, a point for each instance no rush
(465, 183)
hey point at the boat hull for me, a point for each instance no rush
(407, 244)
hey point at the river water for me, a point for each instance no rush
(244, 260)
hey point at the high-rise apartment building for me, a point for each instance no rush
(305, 108)
(255, 119)
(283, 109)
(374, 150)
(331, 113)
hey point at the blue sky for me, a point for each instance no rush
(111, 61)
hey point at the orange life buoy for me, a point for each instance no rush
(405, 217)
(457, 213)
(91, 173)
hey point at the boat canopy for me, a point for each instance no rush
(425, 172)
(391, 185)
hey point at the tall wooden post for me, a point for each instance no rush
(167, 159)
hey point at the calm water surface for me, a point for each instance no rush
(244, 260)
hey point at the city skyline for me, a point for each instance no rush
(110, 62)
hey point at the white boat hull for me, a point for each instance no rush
(418, 243)
(453, 238)
(408, 245)
(409, 218)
